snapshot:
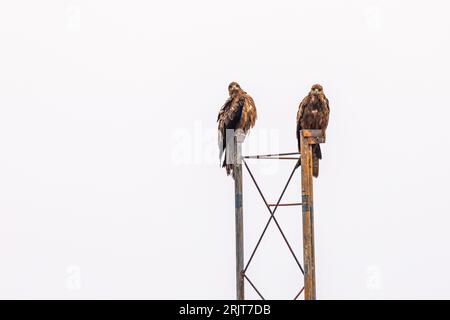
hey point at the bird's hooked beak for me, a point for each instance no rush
(234, 89)
(316, 91)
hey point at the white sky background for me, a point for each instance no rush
(109, 179)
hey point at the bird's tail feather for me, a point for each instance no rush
(228, 163)
(317, 155)
(228, 166)
(315, 166)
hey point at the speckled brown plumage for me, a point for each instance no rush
(313, 113)
(238, 112)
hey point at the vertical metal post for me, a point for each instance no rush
(308, 215)
(239, 218)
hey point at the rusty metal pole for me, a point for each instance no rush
(239, 217)
(309, 137)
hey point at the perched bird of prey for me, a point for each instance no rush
(313, 113)
(238, 113)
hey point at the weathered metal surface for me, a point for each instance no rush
(312, 133)
(239, 217)
(316, 140)
(308, 137)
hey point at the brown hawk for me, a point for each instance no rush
(238, 113)
(313, 113)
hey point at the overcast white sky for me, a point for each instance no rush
(109, 179)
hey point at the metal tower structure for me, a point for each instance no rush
(309, 138)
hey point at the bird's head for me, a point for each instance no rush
(316, 89)
(234, 88)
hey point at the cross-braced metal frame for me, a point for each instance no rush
(272, 212)
(309, 137)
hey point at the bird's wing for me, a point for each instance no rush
(229, 117)
(223, 109)
(327, 104)
(249, 113)
(327, 112)
(221, 118)
(301, 108)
